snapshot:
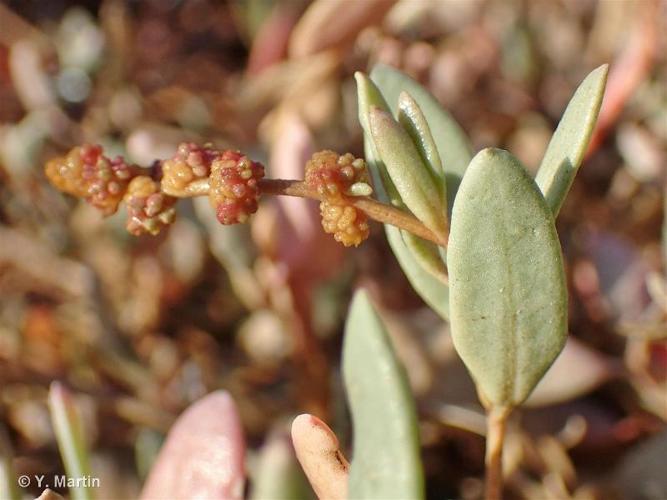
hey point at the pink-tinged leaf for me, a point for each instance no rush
(48, 494)
(303, 246)
(270, 43)
(329, 24)
(203, 456)
(318, 453)
(576, 371)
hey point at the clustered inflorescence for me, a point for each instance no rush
(148, 208)
(233, 190)
(229, 178)
(85, 172)
(336, 179)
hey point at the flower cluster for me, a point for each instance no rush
(85, 172)
(233, 186)
(229, 178)
(337, 179)
(148, 208)
(189, 166)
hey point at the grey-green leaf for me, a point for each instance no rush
(412, 119)
(414, 122)
(508, 300)
(408, 172)
(432, 290)
(386, 459)
(427, 255)
(568, 145)
(368, 95)
(449, 138)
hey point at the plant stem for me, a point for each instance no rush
(496, 420)
(376, 210)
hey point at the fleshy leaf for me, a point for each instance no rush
(409, 173)
(319, 454)
(414, 122)
(386, 459)
(427, 255)
(203, 455)
(432, 290)
(369, 96)
(277, 473)
(568, 145)
(70, 436)
(449, 138)
(508, 301)
(577, 370)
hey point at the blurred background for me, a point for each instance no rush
(139, 328)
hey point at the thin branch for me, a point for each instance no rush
(376, 210)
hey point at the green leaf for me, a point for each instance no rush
(568, 145)
(408, 171)
(277, 473)
(508, 301)
(9, 486)
(386, 458)
(70, 437)
(411, 117)
(426, 254)
(368, 96)
(451, 141)
(432, 290)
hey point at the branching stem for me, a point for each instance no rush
(376, 210)
(381, 212)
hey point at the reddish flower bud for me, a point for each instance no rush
(85, 172)
(190, 164)
(233, 191)
(337, 179)
(148, 209)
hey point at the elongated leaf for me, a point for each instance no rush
(426, 254)
(386, 462)
(203, 455)
(9, 487)
(432, 290)
(508, 301)
(368, 96)
(449, 138)
(70, 437)
(568, 145)
(408, 171)
(412, 119)
(277, 473)
(414, 122)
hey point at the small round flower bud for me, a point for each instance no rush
(148, 209)
(85, 172)
(233, 191)
(337, 180)
(348, 224)
(335, 176)
(190, 164)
